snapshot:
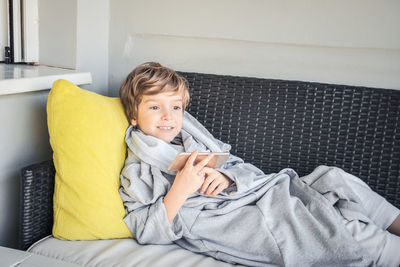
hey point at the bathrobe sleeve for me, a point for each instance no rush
(142, 191)
(245, 176)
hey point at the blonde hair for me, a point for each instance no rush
(150, 78)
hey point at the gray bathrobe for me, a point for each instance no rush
(260, 220)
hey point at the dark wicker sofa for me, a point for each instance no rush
(273, 124)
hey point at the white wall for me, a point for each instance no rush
(74, 34)
(355, 43)
(92, 42)
(57, 33)
(24, 139)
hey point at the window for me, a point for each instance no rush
(19, 31)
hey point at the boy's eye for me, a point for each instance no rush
(154, 107)
(177, 107)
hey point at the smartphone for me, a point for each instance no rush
(216, 161)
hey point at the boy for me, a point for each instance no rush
(237, 213)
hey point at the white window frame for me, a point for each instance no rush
(25, 31)
(31, 31)
(3, 27)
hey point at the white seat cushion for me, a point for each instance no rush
(121, 252)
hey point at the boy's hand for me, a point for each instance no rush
(215, 182)
(191, 177)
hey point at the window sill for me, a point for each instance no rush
(16, 78)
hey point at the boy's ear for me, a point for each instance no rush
(133, 122)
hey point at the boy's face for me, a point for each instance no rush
(160, 115)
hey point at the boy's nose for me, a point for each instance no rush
(166, 115)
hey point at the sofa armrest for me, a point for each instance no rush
(36, 203)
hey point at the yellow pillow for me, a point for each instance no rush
(87, 133)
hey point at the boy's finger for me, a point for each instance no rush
(204, 162)
(203, 187)
(217, 190)
(206, 183)
(191, 159)
(212, 187)
(208, 170)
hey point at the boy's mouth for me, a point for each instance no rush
(165, 127)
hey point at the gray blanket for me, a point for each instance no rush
(262, 219)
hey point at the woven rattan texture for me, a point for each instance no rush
(276, 124)
(36, 211)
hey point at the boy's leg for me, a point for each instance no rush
(381, 244)
(394, 228)
(378, 209)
